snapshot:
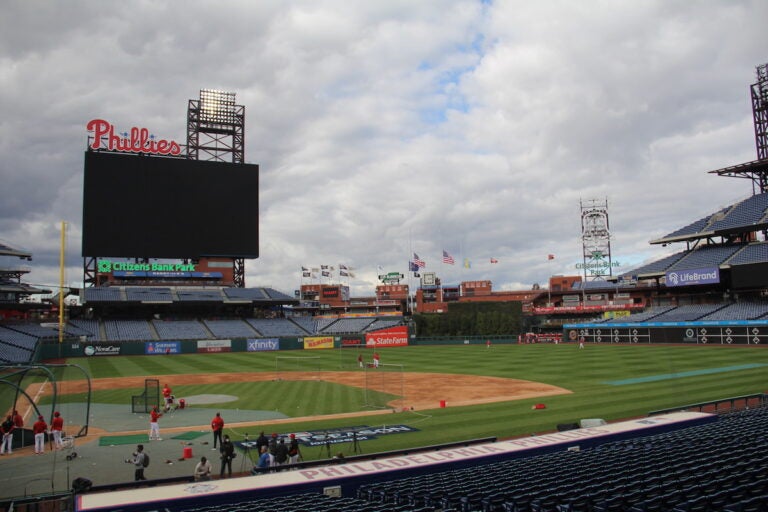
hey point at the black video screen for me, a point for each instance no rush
(154, 207)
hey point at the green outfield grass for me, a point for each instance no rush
(586, 373)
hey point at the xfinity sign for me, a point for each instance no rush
(695, 276)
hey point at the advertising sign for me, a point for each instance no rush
(708, 275)
(263, 345)
(214, 346)
(317, 342)
(162, 347)
(101, 350)
(392, 337)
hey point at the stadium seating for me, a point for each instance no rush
(645, 316)
(180, 330)
(84, 327)
(708, 467)
(688, 313)
(706, 256)
(202, 295)
(230, 328)
(148, 294)
(752, 253)
(36, 330)
(655, 267)
(739, 311)
(275, 327)
(16, 347)
(744, 214)
(128, 330)
(348, 325)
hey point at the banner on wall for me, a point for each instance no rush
(162, 347)
(263, 345)
(392, 337)
(214, 346)
(317, 342)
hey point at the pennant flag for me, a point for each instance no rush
(304, 269)
(306, 274)
(342, 267)
(418, 261)
(324, 267)
(550, 256)
(494, 260)
(351, 274)
(326, 273)
(315, 270)
(343, 273)
(447, 258)
(467, 264)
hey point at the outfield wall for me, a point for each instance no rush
(74, 347)
(733, 332)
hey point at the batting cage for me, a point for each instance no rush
(30, 391)
(148, 399)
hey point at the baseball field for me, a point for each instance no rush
(441, 393)
(449, 393)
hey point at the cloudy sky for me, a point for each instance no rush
(390, 127)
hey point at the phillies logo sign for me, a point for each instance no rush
(137, 140)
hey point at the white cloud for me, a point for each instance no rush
(387, 127)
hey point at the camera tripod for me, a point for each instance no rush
(246, 453)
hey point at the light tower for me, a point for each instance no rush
(216, 131)
(760, 111)
(596, 239)
(216, 127)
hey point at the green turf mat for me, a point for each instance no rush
(188, 436)
(118, 440)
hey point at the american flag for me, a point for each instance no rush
(418, 261)
(447, 258)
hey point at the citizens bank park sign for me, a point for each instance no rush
(392, 337)
(135, 140)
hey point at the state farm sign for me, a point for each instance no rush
(392, 337)
(137, 140)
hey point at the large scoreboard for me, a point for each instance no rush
(159, 207)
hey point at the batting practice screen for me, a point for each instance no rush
(150, 206)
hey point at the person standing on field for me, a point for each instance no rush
(138, 463)
(167, 397)
(6, 429)
(376, 359)
(227, 450)
(39, 429)
(57, 425)
(154, 426)
(293, 450)
(217, 425)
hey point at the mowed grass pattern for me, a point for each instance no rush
(586, 373)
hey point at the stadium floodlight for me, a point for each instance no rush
(217, 106)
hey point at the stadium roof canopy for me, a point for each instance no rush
(7, 249)
(748, 215)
